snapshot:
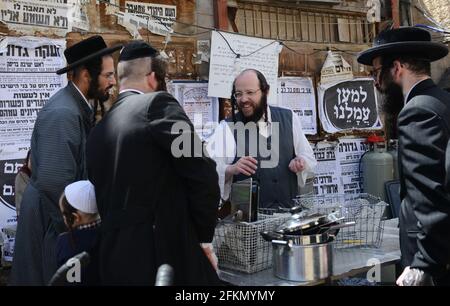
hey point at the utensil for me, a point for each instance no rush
(302, 262)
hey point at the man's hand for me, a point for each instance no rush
(209, 252)
(246, 165)
(414, 277)
(297, 164)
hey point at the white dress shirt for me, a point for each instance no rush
(221, 147)
(133, 90)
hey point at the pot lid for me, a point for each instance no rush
(297, 223)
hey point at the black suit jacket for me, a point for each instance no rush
(155, 207)
(424, 131)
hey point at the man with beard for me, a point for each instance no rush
(58, 157)
(401, 64)
(156, 207)
(264, 142)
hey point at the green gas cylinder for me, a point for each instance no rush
(393, 150)
(377, 167)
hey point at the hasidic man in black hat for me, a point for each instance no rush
(58, 157)
(156, 208)
(401, 64)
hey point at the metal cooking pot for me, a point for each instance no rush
(304, 257)
(302, 262)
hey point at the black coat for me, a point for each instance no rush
(424, 131)
(58, 158)
(155, 208)
(73, 243)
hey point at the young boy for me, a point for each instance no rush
(79, 209)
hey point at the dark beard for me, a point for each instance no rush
(258, 112)
(95, 93)
(393, 100)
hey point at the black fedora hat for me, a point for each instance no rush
(404, 40)
(85, 51)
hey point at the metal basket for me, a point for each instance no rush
(365, 209)
(239, 245)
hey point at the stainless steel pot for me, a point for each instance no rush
(302, 262)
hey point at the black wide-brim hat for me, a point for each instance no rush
(86, 50)
(410, 40)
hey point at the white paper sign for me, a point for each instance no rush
(165, 14)
(46, 16)
(335, 69)
(225, 66)
(27, 80)
(133, 23)
(297, 94)
(78, 14)
(199, 107)
(326, 180)
(348, 155)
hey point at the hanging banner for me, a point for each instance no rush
(335, 69)
(349, 105)
(326, 180)
(348, 156)
(297, 94)
(225, 65)
(161, 14)
(199, 107)
(78, 14)
(45, 16)
(27, 80)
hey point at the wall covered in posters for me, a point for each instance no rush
(27, 80)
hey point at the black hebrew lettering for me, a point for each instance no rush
(10, 16)
(47, 51)
(351, 105)
(36, 19)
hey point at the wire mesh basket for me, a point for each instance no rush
(365, 209)
(239, 245)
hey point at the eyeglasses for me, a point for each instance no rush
(109, 75)
(375, 72)
(239, 94)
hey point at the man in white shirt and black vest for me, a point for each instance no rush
(260, 141)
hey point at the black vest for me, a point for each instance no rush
(278, 185)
